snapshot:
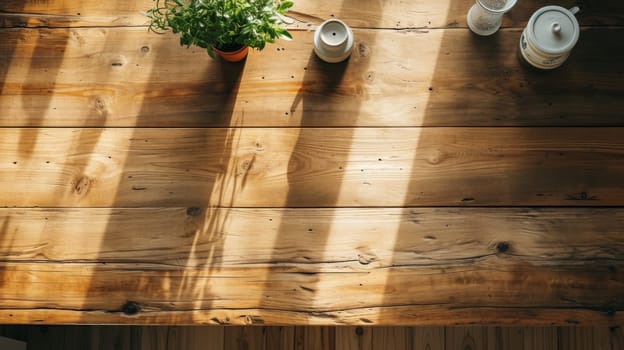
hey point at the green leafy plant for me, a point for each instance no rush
(223, 24)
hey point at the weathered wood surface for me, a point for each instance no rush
(305, 291)
(391, 14)
(320, 167)
(281, 274)
(431, 238)
(429, 338)
(128, 77)
(355, 338)
(282, 190)
(240, 338)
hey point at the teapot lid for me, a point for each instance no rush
(553, 30)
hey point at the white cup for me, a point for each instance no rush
(485, 16)
(333, 41)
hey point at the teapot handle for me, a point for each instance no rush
(574, 10)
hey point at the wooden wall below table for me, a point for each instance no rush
(325, 338)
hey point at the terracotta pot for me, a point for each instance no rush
(233, 56)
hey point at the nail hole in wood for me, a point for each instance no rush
(193, 211)
(502, 247)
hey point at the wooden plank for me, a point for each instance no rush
(541, 338)
(244, 338)
(127, 77)
(399, 338)
(75, 338)
(311, 167)
(580, 338)
(153, 337)
(429, 240)
(499, 338)
(508, 338)
(113, 338)
(369, 13)
(313, 338)
(401, 314)
(466, 337)
(311, 294)
(279, 338)
(354, 338)
(123, 337)
(195, 338)
(429, 338)
(426, 236)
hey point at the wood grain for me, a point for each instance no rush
(107, 337)
(280, 338)
(399, 338)
(431, 179)
(466, 337)
(128, 77)
(499, 338)
(311, 167)
(511, 338)
(359, 13)
(310, 338)
(541, 338)
(99, 337)
(354, 338)
(444, 257)
(244, 338)
(195, 338)
(312, 294)
(179, 237)
(429, 338)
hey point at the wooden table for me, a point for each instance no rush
(430, 179)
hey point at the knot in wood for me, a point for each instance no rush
(366, 258)
(100, 103)
(130, 308)
(363, 50)
(502, 247)
(436, 157)
(82, 185)
(359, 331)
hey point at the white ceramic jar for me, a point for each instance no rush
(333, 41)
(549, 37)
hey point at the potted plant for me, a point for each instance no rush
(224, 27)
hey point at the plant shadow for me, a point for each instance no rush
(186, 242)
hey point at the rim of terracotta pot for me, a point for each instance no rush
(233, 56)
